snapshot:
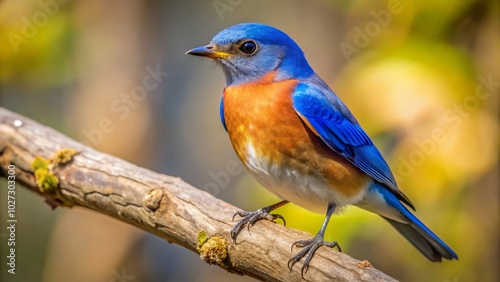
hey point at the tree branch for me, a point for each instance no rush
(160, 204)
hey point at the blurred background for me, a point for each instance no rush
(422, 77)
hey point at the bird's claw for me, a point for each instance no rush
(309, 248)
(250, 218)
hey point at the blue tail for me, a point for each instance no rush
(383, 202)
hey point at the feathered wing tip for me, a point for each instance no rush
(424, 240)
(382, 201)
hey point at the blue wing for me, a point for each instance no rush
(332, 121)
(221, 113)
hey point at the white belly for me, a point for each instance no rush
(309, 191)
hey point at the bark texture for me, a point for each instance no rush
(68, 173)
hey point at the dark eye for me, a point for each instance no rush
(248, 47)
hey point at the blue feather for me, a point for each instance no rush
(221, 113)
(338, 128)
(272, 44)
(414, 230)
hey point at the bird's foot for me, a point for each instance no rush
(309, 248)
(249, 219)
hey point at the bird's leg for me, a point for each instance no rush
(249, 218)
(310, 246)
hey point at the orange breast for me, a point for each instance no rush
(261, 113)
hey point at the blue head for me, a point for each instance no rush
(248, 51)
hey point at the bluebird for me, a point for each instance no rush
(301, 142)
